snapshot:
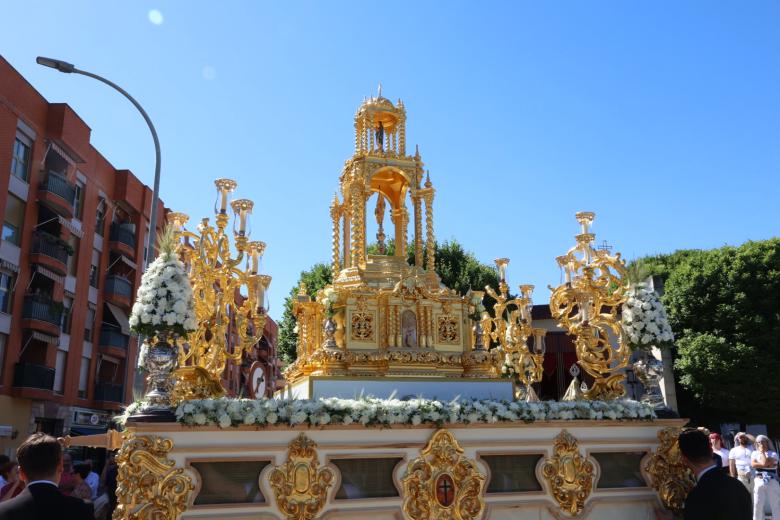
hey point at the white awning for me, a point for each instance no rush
(128, 262)
(51, 275)
(62, 153)
(120, 317)
(73, 229)
(5, 264)
(40, 336)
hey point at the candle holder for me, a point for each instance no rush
(229, 300)
(586, 305)
(511, 326)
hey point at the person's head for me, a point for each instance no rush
(67, 462)
(80, 471)
(741, 439)
(764, 442)
(40, 458)
(9, 470)
(716, 441)
(695, 449)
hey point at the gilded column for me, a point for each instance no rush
(402, 136)
(431, 263)
(404, 227)
(335, 214)
(355, 202)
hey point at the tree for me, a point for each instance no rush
(724, 308)
(458, 269)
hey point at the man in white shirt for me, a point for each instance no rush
(739, 460)
(767, 487)
(92, 480)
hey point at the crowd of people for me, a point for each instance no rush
(44, 483)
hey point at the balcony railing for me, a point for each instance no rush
(122, 235)
(119, 285)
(30, 375)
(109, 392)
(41, 308)
(59, 185)
(112, 337)
(49, 245)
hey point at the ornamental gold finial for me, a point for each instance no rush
(586, 305)
(379, 90)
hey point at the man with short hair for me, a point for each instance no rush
(40, 466)
(716, 496)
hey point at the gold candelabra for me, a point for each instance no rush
(512, 326)
(229, 298)
(586, 305)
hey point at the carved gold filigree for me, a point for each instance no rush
(442, 484)
(363, 326)
(300, 485)
(568, 474)
(669, 476)
(149, 485)
(448, 330)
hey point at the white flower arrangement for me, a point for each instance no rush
(327, 297)
(164, 302)
(644, 319)
(228, 412)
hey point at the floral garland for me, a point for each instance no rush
(164, 301)
(227, 412)
(644, 319)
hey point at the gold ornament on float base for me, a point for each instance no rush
(511, 327)
(229, 298)
(443, 484)
(300, 485)
(569, 474)
(669, 475)
(149, 485)
(586, 305)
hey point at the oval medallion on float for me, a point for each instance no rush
(445, 490)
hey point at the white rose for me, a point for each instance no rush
(271, 418)
(199, 418)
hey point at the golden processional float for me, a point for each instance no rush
(395, 407)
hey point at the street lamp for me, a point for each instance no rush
(69, 68)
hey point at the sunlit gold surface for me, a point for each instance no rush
(569, 475)
(228, 297)
(443, 456)
(587, 305)
(149, 486)
(300, 485)
(669, 475)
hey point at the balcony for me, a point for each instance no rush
(119, 290)
(122, 239)
(112, 337)
(49, 251)
(58, 194)
(41, 313)
(30, 375)
(109, 392)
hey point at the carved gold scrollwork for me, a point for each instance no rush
(448, 329)
(442, 484)
(669, 476)
(300, 485)
(363, 326)
(569, 474)
(149, 486)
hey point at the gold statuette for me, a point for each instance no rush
(442, 484)
(149, 486)
(669, 476)
(569, 475)
(300, 485)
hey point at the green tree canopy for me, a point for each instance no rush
(458, 269)
(724, 308)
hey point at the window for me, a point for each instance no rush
(20, 162)
(67, 306)
(89, 324)
(84, 376)
(100, 220)
(59, 371)
(3, 340)
(73, 260)
(78, 205)
(6, 292)
(94, 269)
(14, 218)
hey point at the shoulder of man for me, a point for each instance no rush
(16, 507)
(84, 509)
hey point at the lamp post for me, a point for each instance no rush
(69, 68)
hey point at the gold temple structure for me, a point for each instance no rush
(389, 318)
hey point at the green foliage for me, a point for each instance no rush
(315, 279)
(458, 269)
(724, 307)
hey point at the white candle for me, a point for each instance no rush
(223, 203)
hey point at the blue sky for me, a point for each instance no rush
(662, 117)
